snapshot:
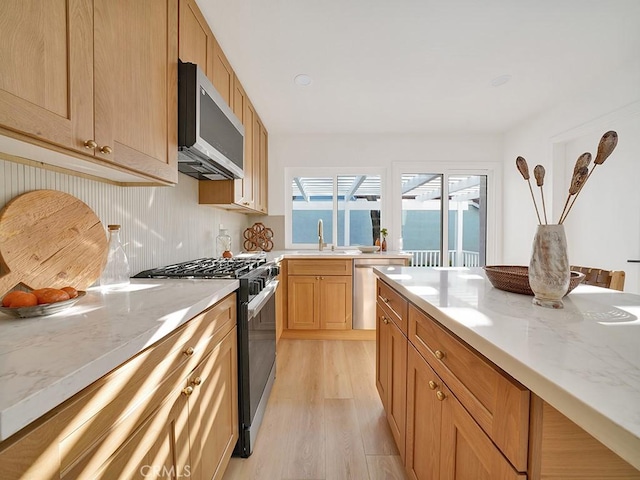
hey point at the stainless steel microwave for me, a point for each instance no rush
(210, 136)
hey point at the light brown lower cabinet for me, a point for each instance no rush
(169, 412)
(319, 294)
(443, 440)
(319, 302)
(391, 378)
(213, 410)
(158, 447)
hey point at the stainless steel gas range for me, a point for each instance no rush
(256, 329)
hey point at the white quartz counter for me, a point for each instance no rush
(583, 360)
(46, 360)
(328, 253)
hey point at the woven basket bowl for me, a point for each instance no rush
(515, 278)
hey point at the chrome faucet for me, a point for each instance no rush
(321, 243)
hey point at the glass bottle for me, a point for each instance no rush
(223, 243)
(116, 271)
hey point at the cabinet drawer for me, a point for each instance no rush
(320, 267)
(393, 304)
(499, 404)
(127, 395)
(116, 404)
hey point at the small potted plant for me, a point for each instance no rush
(384, 233)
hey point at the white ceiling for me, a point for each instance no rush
(420, 65)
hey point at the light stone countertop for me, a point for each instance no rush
(46, 360)
(584, 360)
(328, 253)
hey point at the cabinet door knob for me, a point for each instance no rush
(107, 150)
(384, 299)
(432, 385)
(439, 354)
(90, 144)
(440, 395)
(197, 381)
(385, 320)
(187, 391)
(189, 351)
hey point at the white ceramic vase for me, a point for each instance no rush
(549, 272)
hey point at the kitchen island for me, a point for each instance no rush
(584, 360)
(46, 360)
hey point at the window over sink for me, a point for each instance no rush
(349, 204)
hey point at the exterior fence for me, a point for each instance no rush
(431, 258)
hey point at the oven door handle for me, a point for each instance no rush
(263, 297)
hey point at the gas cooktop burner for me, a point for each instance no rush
(206, 268)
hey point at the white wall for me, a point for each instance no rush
(160, 225)
(373, 150)
(603, 229)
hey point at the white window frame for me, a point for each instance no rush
(333, 172)
(493, 172)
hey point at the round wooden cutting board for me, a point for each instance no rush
(50, 239)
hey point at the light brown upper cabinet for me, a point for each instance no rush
(222, 74)
(196, 39)
(96, 78)
(199, 46)
(261, 167)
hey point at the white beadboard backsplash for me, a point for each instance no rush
(160, 225)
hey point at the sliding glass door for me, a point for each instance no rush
(457, 239)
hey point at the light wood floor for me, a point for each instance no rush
(324, 419)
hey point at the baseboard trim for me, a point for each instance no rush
(329, 334)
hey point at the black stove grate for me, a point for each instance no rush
(206, 268)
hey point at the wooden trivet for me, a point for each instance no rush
(258, 237)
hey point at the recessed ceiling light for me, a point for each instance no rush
(302, 79)
(501, 80)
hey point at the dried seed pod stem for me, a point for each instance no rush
(539, 172)
(576, 187)
(523, 168)
(578, 171)
(607, 144)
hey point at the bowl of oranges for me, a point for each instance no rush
(39, 302)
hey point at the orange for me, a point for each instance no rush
(18, 299)
(50, 295)
(73, 293)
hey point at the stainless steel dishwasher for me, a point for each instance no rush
(364, 290)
